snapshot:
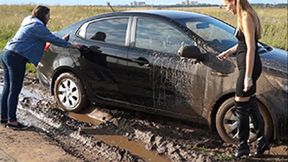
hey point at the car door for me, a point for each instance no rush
(158, 77)
(102, 63)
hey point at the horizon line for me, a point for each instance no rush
(134, 6)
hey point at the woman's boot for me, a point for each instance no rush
(262, 143)
(242, 110)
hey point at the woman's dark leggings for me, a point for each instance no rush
(14, 70)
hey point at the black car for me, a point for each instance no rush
(131, 61)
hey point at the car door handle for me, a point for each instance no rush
(141, 61)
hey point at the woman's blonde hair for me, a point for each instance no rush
(243, 5)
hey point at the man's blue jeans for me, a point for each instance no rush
(14, 71)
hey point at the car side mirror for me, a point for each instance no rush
(191, 52)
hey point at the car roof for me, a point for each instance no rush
(170, 14)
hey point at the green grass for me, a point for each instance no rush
(30, 68)
(273, 20)
(223, 157)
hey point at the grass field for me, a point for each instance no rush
(274, 20)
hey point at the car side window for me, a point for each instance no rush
(159, 36)
(108, 30)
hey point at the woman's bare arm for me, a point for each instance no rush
(249, 33)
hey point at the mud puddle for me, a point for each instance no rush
(105, 134)
(118, 137)
(123, 142)
(65, 131)
(134, 147)
(85, 118)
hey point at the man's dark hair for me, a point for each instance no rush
(40, 12)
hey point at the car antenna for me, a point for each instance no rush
(108, 3)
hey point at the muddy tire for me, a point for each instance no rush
(227, 123)
(69, 92)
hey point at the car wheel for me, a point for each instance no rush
(227, 122)
(69, 92)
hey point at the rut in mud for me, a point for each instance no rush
(152, 138)
(173, 140)
(80, 139)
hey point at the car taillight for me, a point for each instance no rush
(47, 45)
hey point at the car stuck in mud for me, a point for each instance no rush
(130, 60)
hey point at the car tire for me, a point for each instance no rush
(69, 93)
(226, 122)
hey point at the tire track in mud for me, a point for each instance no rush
(174, 140)
(179, 144)
(65, 132)
(176, 143)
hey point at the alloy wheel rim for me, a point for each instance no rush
(231, 122)
(69, 94)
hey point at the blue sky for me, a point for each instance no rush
(119, 2)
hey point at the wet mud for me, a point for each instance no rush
(104, 133)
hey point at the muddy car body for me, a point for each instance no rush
(131, 61)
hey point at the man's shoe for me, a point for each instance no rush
(18, 126)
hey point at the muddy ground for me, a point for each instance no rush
(103, 133)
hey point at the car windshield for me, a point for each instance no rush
(217, 34)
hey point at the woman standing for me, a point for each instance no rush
(26, 46)
(248, 33)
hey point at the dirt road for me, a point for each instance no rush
(109, 134)
(32, 145)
